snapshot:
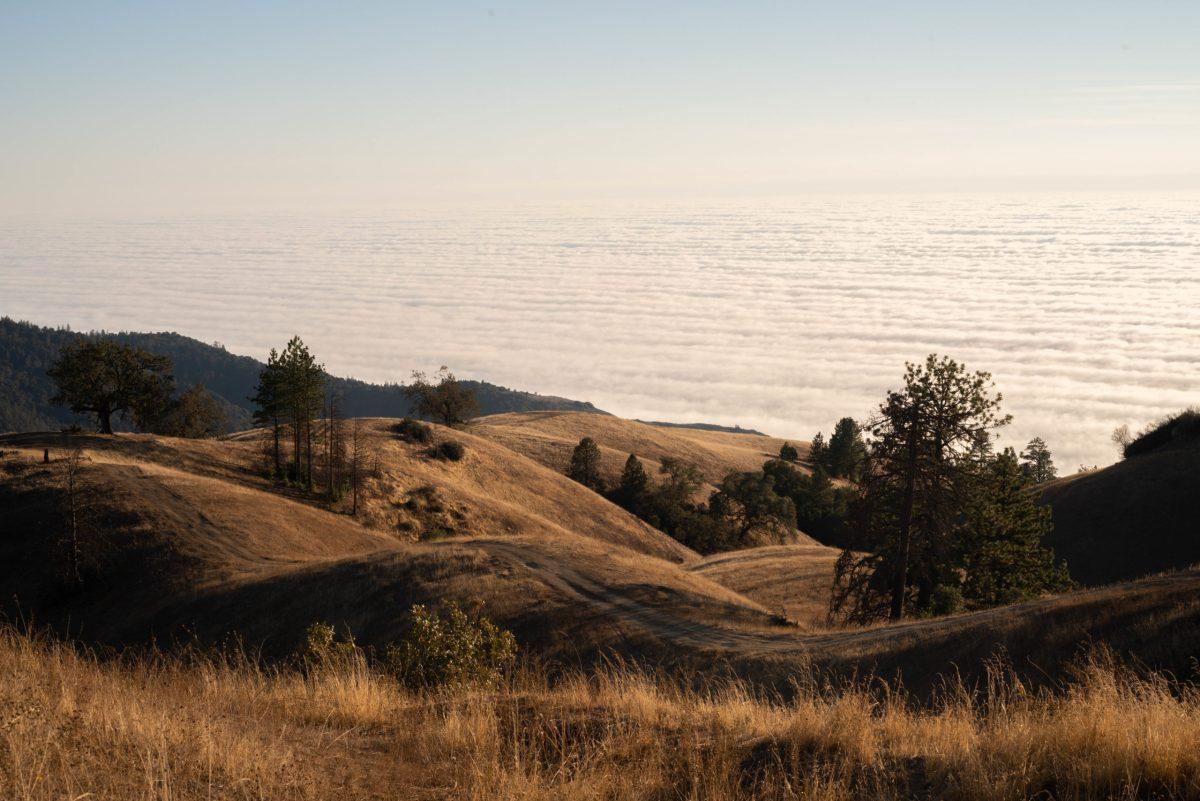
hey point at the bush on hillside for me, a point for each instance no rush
(449, 450)
(1176, 431)
(322, 649)
(450, 648)
(413, 431)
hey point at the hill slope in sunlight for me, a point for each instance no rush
(550, 437)
(185, 539)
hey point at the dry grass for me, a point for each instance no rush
(549, 438)
(74, 727)
(793, 581)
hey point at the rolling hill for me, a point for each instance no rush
(549, 437)
(1136, 517)
(186, 539)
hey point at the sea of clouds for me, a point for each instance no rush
(781, 315)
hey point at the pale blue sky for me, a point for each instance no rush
(213, 106)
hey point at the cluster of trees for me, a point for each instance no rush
(930, 517)
(743, 510)
(943, 522)
(112, 380)
(845, 453)
(311, 444)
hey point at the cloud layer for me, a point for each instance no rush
(777, 314)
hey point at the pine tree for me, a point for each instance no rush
(847, 451)
(1004, 560)
(585, 465)
(302, 381)
(818, 452)
(1036, 463)
(920, 476)
(788, 453)
(270, 406)
(631, 491)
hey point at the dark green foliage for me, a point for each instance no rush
(821, 507)
(788, 453)
(670, 506)
(585, 465)
(921, 475)
(847, 451)
(301, 382)
(631, 490)
(818, 451)
(450, 648)
(107, 379)
(1177, 431)
(1036, 463)
(322, 650)
(752, 510)
(27, 351)
(449, 450)
(413, 431)
(195, 414)
(442, 398)
(1003, 557)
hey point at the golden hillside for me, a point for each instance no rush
(550, 437)
(196, 543)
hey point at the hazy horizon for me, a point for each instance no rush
(780, 314)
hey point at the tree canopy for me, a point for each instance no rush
(1036, 463)
(585, 465)
(441, 397)
(106, 378)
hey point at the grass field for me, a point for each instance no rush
(198, 727)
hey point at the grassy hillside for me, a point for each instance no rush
(189, 540)
(1136, 517)
(793, 581)
(550, 437)
(27, 351)
(189, 536)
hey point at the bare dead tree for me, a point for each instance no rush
(74, 510)
(356, 460)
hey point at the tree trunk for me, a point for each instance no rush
(906, 516)
(105, 421)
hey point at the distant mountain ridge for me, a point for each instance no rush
(27, 351)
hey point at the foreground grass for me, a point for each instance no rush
(74, 727)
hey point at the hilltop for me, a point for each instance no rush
(28, 350)
(549, 438)
(1133, 518)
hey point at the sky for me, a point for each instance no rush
(189, 107)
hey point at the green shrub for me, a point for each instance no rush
(322, 649)
(450, 648)
(450, 450)
(413, 431)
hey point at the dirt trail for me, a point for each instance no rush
(673, 627)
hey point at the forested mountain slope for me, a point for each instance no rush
(27, 351)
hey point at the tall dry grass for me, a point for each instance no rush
(76, 727)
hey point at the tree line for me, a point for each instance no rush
(931, 518)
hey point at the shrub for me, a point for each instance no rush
(450, 450)
(451, 648)
(1177, 431)
(322, 649)
(413, 431)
